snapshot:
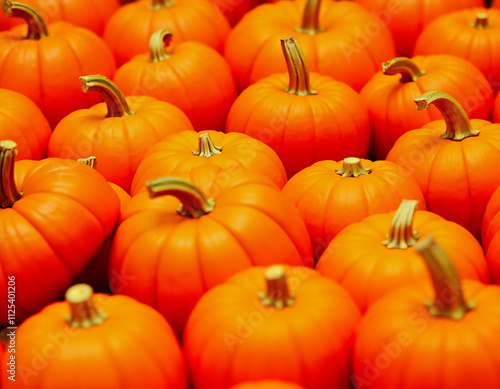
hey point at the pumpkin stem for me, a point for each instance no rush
(449, 301)
(90, 161)
(409, 71)
(310, 18)
(481, 22)
(352, 167)
(206, 147)
(458, 125)
(159, 4)
(297, 68)
(115, 101)
(277, 294)
(36, 25)
(193, 202)
(158, 43)
(8, 189)
(401, 234)
(84, 312)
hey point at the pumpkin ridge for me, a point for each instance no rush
(469, 195)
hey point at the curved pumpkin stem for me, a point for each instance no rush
(310, 18)
(352, 167)
(115, 101)
(449, 301)
(159, 4)
(36, 25)
(158, 43)
(481, 22)
(193, 202)
(297, 68)
(90, 161)
(206, 147)
(84, 312)
(8, 189)
(277, 294)
(458, 125)
(409, 71)
(401, 235)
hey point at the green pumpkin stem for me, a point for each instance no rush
(8, 189)
(277, 295)
(115, 101)
(159, 4)
(481, 22)
(458, 125)
(90, 161)
(409, 71)
(193, 202)
(401, 235)
(158, 43)
(206, 147)
(36, 25)
(352, 167)
(297, 68)
(449, 301)
(84, 312)
(310, 18)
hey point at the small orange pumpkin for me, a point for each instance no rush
(174, 74)
(86, 341)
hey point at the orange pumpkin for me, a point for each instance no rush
(174, 74)
(373, 257)
(332, 195)
(406, 19)
(118, 132)
(340, 39)
(128, 30)
(453, 160)
(293, 331)
(472, 34)
(44, 64)
(90, 14)
(432, 338)
(490, 237)
(54, 216)
(22, 122)
(235, 153)
(87, 341)
(302, 119)
(389, 98)
(200, 232)
(234, 10)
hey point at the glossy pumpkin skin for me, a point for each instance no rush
(89, 14)
(490, 238)
(48, 70)
(303, 129)
(452, 354)
(457, 37)
(253, 47)
(194, 78)
(252, 224)
(51, 354)
(390, 102)
(22, 122)
(128, 30)
(267, 384)
(329, 202)
(406, 19)
(240, 153)
(119, 143)
(368, 270)
(457, 178)
(230, 330)
(65, 214)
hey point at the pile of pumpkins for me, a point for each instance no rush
(282, 194)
